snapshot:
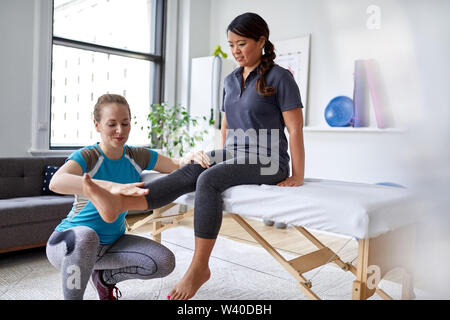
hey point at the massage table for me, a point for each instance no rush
(381, 218)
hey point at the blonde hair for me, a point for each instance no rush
(106, 99)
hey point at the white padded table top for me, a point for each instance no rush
(345, 208)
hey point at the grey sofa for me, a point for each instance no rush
(28, 218)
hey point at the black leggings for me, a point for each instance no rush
(226, 171)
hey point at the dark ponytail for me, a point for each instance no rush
(251, 25)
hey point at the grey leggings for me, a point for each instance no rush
(208, 185)
(77, 252)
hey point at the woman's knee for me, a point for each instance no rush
(210, 179)
(158, 263)
(71, 242)
(86, 238)
(153, 259)
(190, 172)
(168, 267)
(166, 262)
(75, 239)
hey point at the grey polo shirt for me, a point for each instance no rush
(255, 123)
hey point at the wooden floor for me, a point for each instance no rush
(289, 239)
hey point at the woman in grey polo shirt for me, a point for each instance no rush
(261, 99)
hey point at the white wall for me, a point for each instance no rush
(411, 47)
(193, 41)
(16, 74)
(339, 35)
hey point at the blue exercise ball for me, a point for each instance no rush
(339, 112)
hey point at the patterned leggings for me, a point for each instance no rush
(77, 252)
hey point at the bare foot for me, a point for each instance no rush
(109, 205)
(193, 279)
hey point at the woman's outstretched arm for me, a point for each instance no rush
(167, 165)
(68, 180)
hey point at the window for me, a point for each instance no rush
(103, 46)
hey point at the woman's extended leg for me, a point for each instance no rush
(208, 216)
(162, 191)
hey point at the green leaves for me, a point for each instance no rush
(173, 130)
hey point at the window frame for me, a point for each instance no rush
(157, 58)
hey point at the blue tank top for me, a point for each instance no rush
(127, 169)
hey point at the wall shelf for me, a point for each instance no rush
(351, 129)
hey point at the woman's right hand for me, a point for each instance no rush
(199, 157)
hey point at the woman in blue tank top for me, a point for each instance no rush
(91, 244)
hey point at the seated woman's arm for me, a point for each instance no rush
(167, 165)
(294, 124)
(223, 130)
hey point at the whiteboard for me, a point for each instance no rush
(293, 54)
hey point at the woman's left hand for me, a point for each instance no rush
(292, 181)
(129, 189)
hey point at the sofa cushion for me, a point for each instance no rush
(24, 177)
(34, 209)
(49, 171)
(24, 235)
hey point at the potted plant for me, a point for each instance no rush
(173, 130)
